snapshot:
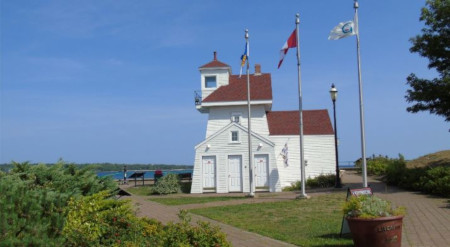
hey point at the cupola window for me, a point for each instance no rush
(236, 117)
(210, 82)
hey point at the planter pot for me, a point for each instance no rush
(384, 231)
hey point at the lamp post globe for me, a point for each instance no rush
(333, 94)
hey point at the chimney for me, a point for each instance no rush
(257, 69)
(215, 55)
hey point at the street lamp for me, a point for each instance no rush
(333, 94)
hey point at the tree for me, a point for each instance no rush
(434, 43)
(33, 199)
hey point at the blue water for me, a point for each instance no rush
(346, 166)
(147, 175)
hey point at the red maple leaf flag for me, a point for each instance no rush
(290, 43)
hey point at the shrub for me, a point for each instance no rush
(394, 172)
(183, 234)
(62, 206)
(295, 186)
(99, 220)
(436, 181)
(321, 181)
(431, 180)
(33, 199)
(411, 178)
(377, 166)
(168, 184)
(186, 187)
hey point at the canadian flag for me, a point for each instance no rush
(290, 43)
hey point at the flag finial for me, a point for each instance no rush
(246, 33)
(356, 5)
(297, 19)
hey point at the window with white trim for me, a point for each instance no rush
(210, 82)
(236, 117)
(234, 136)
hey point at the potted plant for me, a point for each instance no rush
(373, 221)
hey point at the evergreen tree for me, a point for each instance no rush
(33, 199)
(434, 43)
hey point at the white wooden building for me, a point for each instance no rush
(221, 160)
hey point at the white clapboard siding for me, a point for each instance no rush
(222, 79)
(221, 147)
(291, 172)
(319, 154)
(219, 117)
(197, 181)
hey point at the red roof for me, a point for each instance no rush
(214, 64)
(315, 122)
(236, 90)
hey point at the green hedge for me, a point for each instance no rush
(63, 205)
(321, 181)
(379, 165)
(33, 200)
(98, 220)
(430, 180)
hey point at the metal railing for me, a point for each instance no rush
(198, 97)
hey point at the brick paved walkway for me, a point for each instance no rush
(236, 236)
(427, 222)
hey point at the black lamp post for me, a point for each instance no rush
(333, 94)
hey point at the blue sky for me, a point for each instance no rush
(113, 81)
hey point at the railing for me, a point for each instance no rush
(197, 97)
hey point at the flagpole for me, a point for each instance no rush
(361, 107)
(250, 155)
(300, 106)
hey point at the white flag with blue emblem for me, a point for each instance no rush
(344, 29)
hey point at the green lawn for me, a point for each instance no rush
(312, 222)
(140, 190)
(172, 201)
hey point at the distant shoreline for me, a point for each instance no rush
(148, 174)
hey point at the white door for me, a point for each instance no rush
(261, 170)
(209, 171)
(235, 173)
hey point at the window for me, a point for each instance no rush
(236, 117)
(235, 136)
(210, 82)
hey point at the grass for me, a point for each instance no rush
(434, 159)
(309, 222)
(140, 190)
(172, 201)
